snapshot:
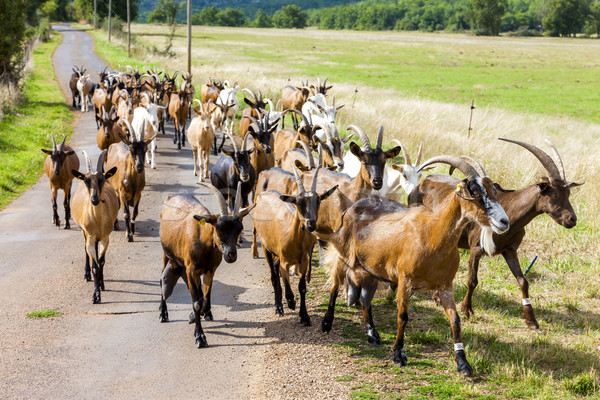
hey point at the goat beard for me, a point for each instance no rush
(487, 240)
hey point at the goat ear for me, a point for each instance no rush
(392, 152)
(345, 140)
(69, 153)
(249, 102)
(501, 189)
(340, 106)
(110, 172)
(244, 211)
(356, 150)
(298, 164)
(287, 199)
(203, 219)
(427, 168)
(49, 152)
(328, 193)
(573, 184)
(251, 150)
(328, 87)
(149, 139)
(543, 184)
(197, 111)
(77, 174)
(398, 167)
(228, 153)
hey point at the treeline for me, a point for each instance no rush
(485, 17)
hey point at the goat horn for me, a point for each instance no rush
(419, 153)
(199, 102)
(100, 162)
(260, 96)
(131, 132)
(62, 144)
(320, 147)
(244, 145)
(235, 149)
(104, 116)
(544, 158)
(407, 160)
(251, 94)
(304, 119)
(54, 147)
(88, 162)
(311, 161)
(380, 137)
(455, 162)
(560, 162)
(333, 101)
(361, 134)
(475, 164)
(299, 182)
(313, 186)
(270, 103)
(238, 200)
(324, 128)
(218, 195)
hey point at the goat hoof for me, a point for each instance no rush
(96, 298)
(291, 304)
(400, 358)
(191, 318)
(279, 310)
(305, 320)
(530, 317)
(164, 317)
(326, 325)
(462, 365)
(201, 341)
(208, 316)
(67, 226)
(130, 238)
(88, 278)
(467, 311)
(532, 324)
(374, 339)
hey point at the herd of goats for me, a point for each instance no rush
(347, 204)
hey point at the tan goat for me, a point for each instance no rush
(110, 131)
(201, 136)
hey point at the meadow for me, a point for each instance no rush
(420, 87)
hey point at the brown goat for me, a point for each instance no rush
(293, 98)
(178, 110)
(550, 195)
(110, 131)
(254, 110)
(210, 91)
(95, 208)
(283, 224)
(201, 137)
(130, 178)
(58, 165)
(425, 254)
(194, 241)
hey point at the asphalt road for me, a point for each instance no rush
(118, 349)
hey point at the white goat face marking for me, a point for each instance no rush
(494, 211)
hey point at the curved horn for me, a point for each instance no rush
(311, 160)
(475, 164)
(235, 149)
(62, 144)
(380, 137)
(299, 182)
(544, 158)
(270, 103)
(104, 116)
(100, 162)
(320, 148)
(324, 128)
(54, 146)
(407, 160)
(419, 153)
(251, 94)
(313, 186)
(361, 134)
(244, 145)
(455, 162)
(218, 195)
(560, 162)
(88, 162)
(304, 119)
(238, 200)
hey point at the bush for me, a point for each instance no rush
(44, 29)
(117, 27)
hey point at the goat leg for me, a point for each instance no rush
(67, 205)
(168, 280)
(87, 271)
(446, 299)
(327, 322)
(254, 245)
(274, 267)
(207, 283)
(128, 233)
(474, 258)
(367, 292)
(304, 317)
(55, 217)
(402, 303)
(289, 294)
(197, 299)
(513, 263)
(91, 249)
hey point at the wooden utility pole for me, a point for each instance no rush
(109, 13)
(128, 31)
(95, 18)
(189, 36)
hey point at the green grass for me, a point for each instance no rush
(27, 129)
(45, 314)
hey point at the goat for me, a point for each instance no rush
(396, 177)
(210, 91)
(293, 98)
(283, 224)
(261, 130)
(178, 109)
(316, 107)
(229, 106)
(425, 253)
(188, 87)
(77, 72)
(152, 123)
(321, 88)
(194, 241)
(110, 130)
(59, 163)
(201, 136)
(232, 167)
(84, 87)
(95, 208)
(550, 195)
(100, 99)
(294, 156)
(255, 105)
(130, 178)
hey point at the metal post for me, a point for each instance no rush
(95, 17)
(109, 13)
(128, 31)
(471, 118)
(189, 36)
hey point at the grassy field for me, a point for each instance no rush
(530, 92)
(43, 112)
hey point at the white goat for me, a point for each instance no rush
(227, 97)
(316, 108)
(84, 87)
(151, 119)
(396, 177)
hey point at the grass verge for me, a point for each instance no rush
(45, 313)
(41, 113)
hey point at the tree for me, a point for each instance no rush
(594, 21)
(12, 34)
(208, 16)
(566, 17)
(262, 20)
(84, 9)
(290, 16)
(487, 16)
(231, 17)
(164, 12)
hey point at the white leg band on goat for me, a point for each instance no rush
(526, 302)
(458, 346)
